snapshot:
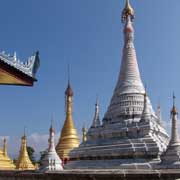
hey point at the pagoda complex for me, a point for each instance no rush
(130, 135)
(69, 138)
(24, 162)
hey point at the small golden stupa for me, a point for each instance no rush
(69, 138)
(24, 162)
(5, 162)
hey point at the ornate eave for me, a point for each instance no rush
(14, 72)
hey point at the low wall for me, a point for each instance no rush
(92, 175)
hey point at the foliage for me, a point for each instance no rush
(42, 155)
(31, 151)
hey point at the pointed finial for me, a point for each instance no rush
(128, 12)
(97, 101)
(174, 110)
(174, 98)
(52, 122)
(68, 74)
(69, 91)
(24, 131)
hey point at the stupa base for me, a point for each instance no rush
(113, 164)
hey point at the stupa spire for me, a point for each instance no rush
(129, 77)
(129, 81)
(146, 114)
(24, 162)
(96, 120)
(171, 157)
(69, 138)
(51, 137)
(174, 131)
(51, 161)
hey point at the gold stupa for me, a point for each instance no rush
(5, 162)
(69, 138)
(24, 162)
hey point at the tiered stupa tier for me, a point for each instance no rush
(24, 162)
(69, 138)
(5, 162)
(51, 161)
(130, 134)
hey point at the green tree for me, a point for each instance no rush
(31, 151)
(42, 155)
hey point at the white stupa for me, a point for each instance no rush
(51, 161)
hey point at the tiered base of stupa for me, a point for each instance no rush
(5, 162)
(130, 145)
(171, 158)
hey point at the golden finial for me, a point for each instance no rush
(128, 11)
(69, 91)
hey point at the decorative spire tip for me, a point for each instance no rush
(128, 12)
(174, 110)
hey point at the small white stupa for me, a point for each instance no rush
(51, 161)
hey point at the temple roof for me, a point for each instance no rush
(15, 72)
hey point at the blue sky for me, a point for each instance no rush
(87, 34)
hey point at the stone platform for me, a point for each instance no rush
(93, 175)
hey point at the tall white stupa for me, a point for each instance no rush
(130, 134)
